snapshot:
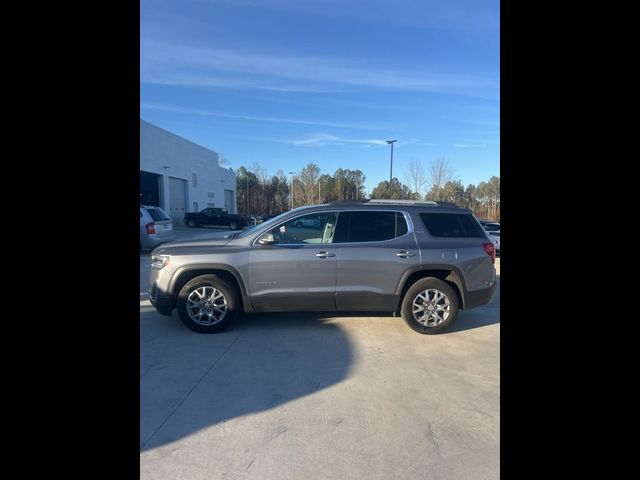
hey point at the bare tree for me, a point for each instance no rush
(417, 177)
(260, 172)
(308, 178)
(440, 173)
(223, 161)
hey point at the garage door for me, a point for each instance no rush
(177, 199)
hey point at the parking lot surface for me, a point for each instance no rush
(318, 396)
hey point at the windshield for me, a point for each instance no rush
(273, 221)
(268, 223)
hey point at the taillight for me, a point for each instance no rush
(150, 228)
(491, 251)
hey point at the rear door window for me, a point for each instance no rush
(369, 226)
(459, 225)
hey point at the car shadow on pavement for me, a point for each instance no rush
(479, 317)
(190, 382)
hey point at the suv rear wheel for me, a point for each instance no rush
(430, 306)
(208, 304)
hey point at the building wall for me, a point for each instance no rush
(169, 155)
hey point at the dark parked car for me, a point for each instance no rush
(214, 216)
(419, 259)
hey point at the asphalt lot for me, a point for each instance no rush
(317, 396)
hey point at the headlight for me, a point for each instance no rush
(160, 261)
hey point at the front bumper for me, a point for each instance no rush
(162, 302)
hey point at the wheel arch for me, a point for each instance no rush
(230, 274)
(448, 274)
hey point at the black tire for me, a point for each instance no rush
(233, 226)
(231, 296)
(191, 223)
(434, 285)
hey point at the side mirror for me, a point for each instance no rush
(267, 239)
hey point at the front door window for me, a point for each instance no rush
(308, 229)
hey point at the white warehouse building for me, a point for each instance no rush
(180, 176)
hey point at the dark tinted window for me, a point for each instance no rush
(369, 226)
(491, 226)
(158, 214)
(452, 225)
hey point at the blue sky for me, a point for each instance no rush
(289, 82)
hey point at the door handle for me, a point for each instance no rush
(325, 254)
(405, 254)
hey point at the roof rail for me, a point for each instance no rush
(384, 201)
(340, 202)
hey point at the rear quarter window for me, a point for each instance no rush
(459, 225)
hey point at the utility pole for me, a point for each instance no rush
(291, 173)
(391, 142)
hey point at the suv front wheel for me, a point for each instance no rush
(208, 304)
(430, 306)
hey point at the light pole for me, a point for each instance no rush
(318, 191)
(391, 142)
(223, 196)
(291, 173)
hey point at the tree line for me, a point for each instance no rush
(437, 184)
(259, 193)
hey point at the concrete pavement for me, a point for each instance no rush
(316, 396)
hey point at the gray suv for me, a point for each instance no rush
(420, 259)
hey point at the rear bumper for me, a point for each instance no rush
(480, 297)
(162, 302)
(153, 240)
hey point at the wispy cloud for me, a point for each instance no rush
(415, 141)
(254, 118)
(466, 145)
(325, 139)
(222, 82)
(185, 65)
(424, 14)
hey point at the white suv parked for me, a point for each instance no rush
(156, 227)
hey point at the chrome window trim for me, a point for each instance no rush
(407, 218)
